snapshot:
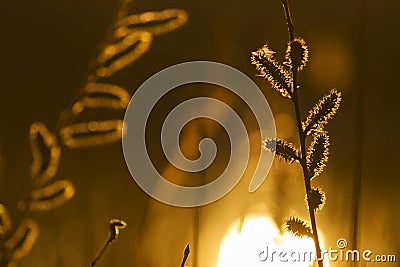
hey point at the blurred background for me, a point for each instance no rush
(45, 49)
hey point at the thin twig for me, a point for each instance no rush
(101, 252)
(185, 255)
(114, 226)
(302, 137)
(288, 19)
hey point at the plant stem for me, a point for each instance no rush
(288, 19)
(101, 252)
(307, 184)
(185, 255)
(302, 137)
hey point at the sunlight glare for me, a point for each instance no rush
(257, 240)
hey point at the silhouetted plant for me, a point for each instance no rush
(283, 78)
(114, 225)
(186, 253)
(127, 39)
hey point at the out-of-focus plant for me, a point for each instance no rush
(114, 225)
(127, 39)
(283, 78)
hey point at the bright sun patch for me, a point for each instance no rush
(260, 242)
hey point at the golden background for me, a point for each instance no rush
(45, 46)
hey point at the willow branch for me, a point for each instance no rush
(302, 137)
(66, 116)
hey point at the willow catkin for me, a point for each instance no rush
(270, 69)
(282, 149)
(316, 199)
(317, 154)
(45, 152)
(297, 54)
(5, 220)
(298, 227)
(20, 244)
(322, 111)
(124, 51)
(91, 133)
(154, 22)
(52, 195)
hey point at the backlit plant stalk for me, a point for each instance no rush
(283, 77)
(302, 137)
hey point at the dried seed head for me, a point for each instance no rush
(114, 226)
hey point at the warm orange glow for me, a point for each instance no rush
(248, 246)
(331, 64)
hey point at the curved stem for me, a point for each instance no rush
(302, 137)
